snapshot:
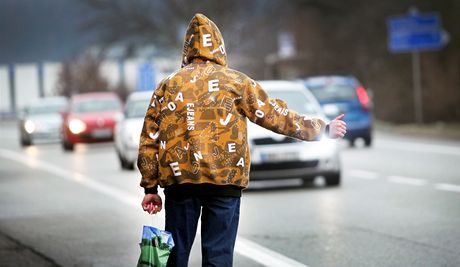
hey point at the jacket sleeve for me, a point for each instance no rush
(273, 114)
(147, 160)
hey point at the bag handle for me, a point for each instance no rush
(154, 219)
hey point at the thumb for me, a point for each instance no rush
(340, 117)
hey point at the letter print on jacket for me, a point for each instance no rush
(195, 126)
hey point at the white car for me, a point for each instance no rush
(275, 156)
(129, 127)
(41, 120)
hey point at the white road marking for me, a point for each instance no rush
(420, 147)
(73, 177)
(407, 180)
(368, 175)
(448, 187)
(243, 246)
(363, 174)
(263, 255)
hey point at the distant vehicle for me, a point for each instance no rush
(42, 120)
(90, 118)
(129, 127)
(275, 156)
(345, 94)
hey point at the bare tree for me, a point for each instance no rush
(138, 23)
(80, 76)
(331, 37)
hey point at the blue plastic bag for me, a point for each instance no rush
(156, 245)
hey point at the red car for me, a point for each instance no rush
(91, 118)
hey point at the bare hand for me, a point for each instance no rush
(337, 127)
(152, 203)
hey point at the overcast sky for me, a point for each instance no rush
(32, 31)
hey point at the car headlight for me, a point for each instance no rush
(77, 126)
(29, 126)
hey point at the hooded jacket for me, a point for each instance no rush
(195, 127)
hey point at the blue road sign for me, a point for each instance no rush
(415, 32)
(146, 77)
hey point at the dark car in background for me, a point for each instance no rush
(41, 120)
(91, 118)
(345, 94)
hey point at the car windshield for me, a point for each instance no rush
(96, 106)
(45, 109)
(296, 101)
(333, 92)
(136, 109)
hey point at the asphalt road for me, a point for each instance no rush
(398, 205)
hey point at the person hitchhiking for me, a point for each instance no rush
(194, 144)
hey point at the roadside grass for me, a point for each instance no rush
(444, 130)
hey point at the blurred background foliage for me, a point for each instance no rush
(330, 36)
(81, 75)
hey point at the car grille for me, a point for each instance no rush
(271, 141)
(284, 165)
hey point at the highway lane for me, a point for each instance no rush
(72, 218)
(391, 209)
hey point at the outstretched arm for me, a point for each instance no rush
(273, 114)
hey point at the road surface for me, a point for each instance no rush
(398, 205)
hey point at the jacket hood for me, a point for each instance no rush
(203, 40)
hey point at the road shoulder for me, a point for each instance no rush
(14, 253)
(438, 130)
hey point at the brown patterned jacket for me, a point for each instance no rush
(195, 127)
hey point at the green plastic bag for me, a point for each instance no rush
(156, 245)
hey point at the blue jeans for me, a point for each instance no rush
(219, 225)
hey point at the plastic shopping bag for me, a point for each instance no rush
(156, 245)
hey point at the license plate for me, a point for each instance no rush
(279, 157)
(101, 133)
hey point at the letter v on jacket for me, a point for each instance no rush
(195, 126)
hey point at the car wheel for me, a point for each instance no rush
(352, 142)
(122, 161)
(25, 142)
(367, 140)
(332, 179)
(125, 165)
(129, 165)
(67, 146)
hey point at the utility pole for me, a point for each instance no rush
(12, 87)
(41, 80)
(416, 32)
(417, 82)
